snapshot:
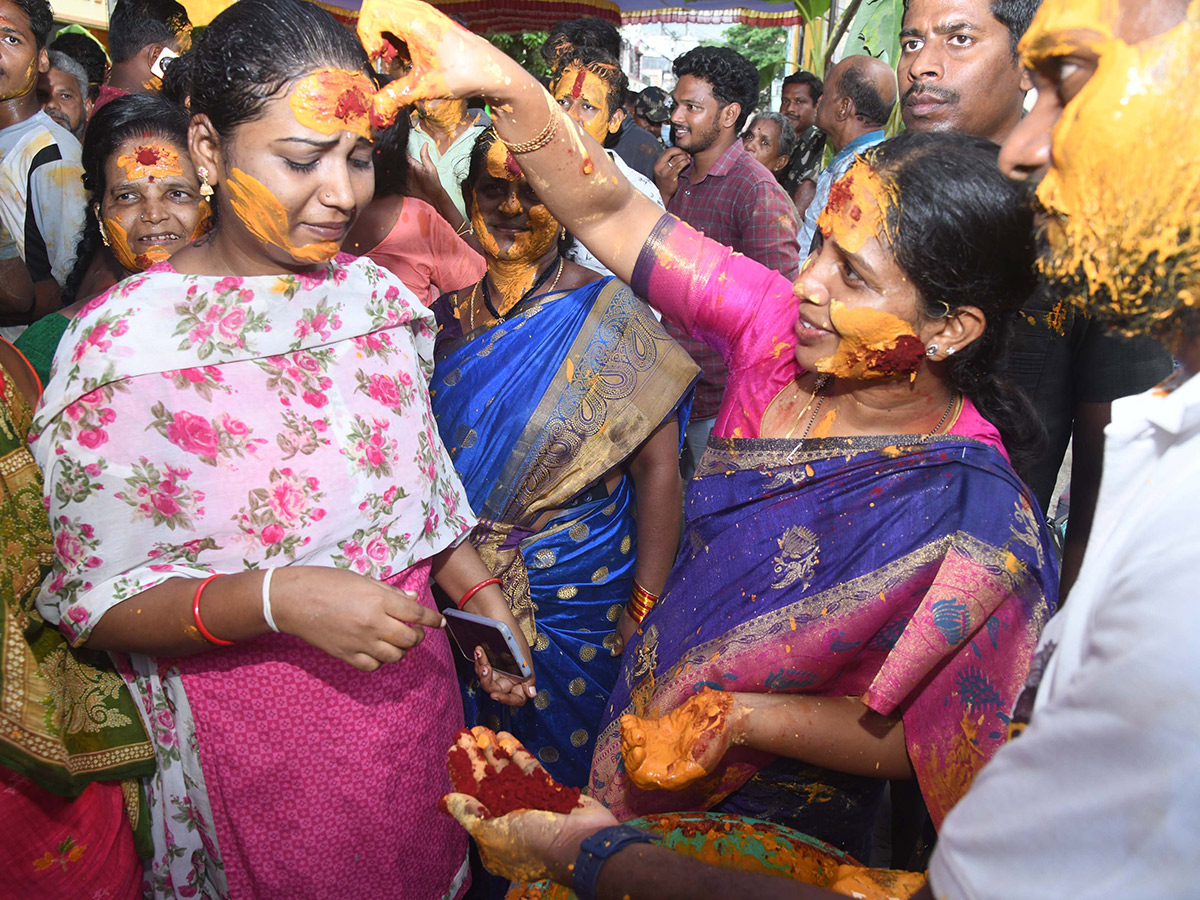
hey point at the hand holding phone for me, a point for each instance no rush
(469, 631)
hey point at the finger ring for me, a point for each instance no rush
(671, 163)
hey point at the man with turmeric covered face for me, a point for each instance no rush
(589, 84)
(1097, 795)
(1092, 799)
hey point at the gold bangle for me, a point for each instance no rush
(540, 141)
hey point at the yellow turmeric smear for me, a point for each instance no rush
(151, 160)
(876, 884)
(661, 753)
(267, 219)
(513, 270)
(333, 100)
(118, 239)
(825, 426)
(857, 209)
(1123, 193)
(204, 221)
(874, 344)
(445, 115)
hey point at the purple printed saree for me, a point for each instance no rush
(916, 576)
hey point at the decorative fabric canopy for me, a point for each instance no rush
(491, 16)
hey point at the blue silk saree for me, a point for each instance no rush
(535, 410)
(913, 573)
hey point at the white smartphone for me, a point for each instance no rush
(469, 631)
(162, 61)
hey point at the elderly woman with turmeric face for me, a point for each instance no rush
(561, 401)
(862, 577)
(249, 498)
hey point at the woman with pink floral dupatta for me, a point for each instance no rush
(257, 406)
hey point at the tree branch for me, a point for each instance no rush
(840, 31)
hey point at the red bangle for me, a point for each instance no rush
(473, 591)
(208, 635)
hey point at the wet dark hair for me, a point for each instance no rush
(41, 19)
(475, 171)
(253, 49)
(391, 157)
(588, 31)
(816, 87)
(733, 77)
(124, 117)
(601, 64)
(135, 24)
(1015, 15)
(869, 105)
(88, 54)
(964, 238)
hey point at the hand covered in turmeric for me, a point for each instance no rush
(447, 60)
(525, 844)
(683, 746)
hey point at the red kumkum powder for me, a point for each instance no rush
(509, 789)
(351, 103)
(904, 358)
(148, 156)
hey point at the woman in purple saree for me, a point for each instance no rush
(862, 576)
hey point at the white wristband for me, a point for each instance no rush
(266, 597)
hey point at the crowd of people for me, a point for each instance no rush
(742, 425)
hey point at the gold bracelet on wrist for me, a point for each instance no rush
(541, 140)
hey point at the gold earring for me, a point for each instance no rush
(206, 190)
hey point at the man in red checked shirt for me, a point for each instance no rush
(709, 181)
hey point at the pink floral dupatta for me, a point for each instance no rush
(197, 424)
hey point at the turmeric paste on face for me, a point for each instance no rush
(118, 239)
(1123, 192)
(858, 208)
(333, 100)
(267, 219)
(151, 160)
(874, 344)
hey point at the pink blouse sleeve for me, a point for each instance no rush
(454, 264)
(740, 308)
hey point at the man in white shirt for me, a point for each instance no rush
(589, 84)
(41, 192)
(1099, 795)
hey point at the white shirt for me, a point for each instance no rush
(1100, 796)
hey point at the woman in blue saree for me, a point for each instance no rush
(561, 401)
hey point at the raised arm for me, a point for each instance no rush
(570, 172)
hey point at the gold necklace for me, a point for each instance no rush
(562, 261)
(818, 392)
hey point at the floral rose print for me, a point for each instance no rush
(207, 438)
(236, 443)
(161, 495)
(323, 320)
(276, 514)
(371, 449)
(203, 379)
(217, 321)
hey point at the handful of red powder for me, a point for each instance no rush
(503, 786)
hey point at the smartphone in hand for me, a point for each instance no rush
(469, 631)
